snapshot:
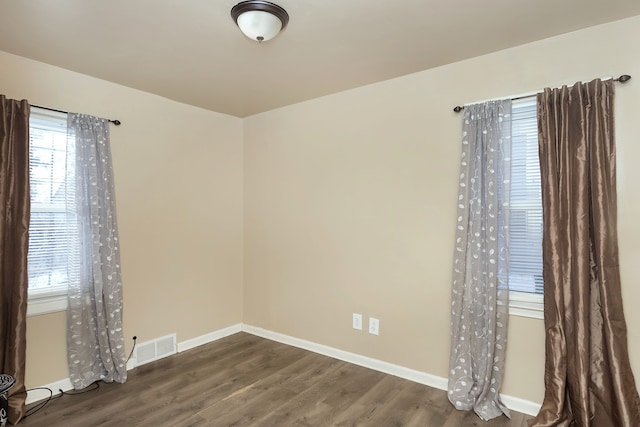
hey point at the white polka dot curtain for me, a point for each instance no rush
(479, 306)
(95, 342)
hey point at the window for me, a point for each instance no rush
(48, 230)
(525, 228)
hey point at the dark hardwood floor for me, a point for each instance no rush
(244, 380)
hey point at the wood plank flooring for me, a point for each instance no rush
(244, 380)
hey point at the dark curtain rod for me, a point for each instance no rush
(115, 122)
(622, 79)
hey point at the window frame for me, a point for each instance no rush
(524, 304)
(47, 302)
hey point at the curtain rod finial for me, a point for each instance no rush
(458, 108)
(623, 78)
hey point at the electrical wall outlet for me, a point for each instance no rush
(374, 326)
(357, 321)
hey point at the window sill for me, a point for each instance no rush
(526, 305)
(51, 302)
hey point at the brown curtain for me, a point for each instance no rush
(14, 243)
(588, 377)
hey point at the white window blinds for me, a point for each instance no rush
(48, 230)
(525, 235)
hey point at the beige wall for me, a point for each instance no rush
(178, 172)
(350, 203)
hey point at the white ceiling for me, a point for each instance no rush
(192, 52)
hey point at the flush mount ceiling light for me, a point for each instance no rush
(260, 20)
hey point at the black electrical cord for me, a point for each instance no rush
(133, 348)
(40, 405)
(83, 391)
(51, 397)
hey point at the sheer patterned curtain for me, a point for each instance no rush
(588, 377)
(479, 309)
(95, 342)
(15, 207)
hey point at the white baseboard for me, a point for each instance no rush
(521, 405)
(356, 359)
(40, 393)
(210, 337)
(528, 407)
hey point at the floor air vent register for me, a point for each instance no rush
(158, 348)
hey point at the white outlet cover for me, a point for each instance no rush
(357, 321)
(374, 326)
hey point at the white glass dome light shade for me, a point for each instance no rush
(259, 20)
(259, 25)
